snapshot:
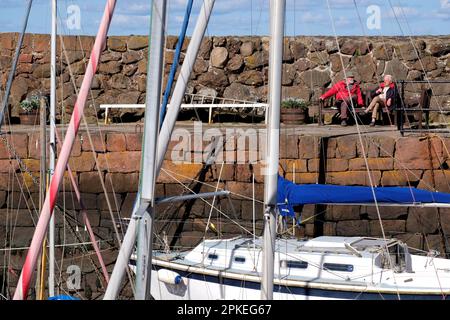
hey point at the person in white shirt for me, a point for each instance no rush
(384, 98)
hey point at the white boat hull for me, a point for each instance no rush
(197, 286)
(196, 289)
(324, 268)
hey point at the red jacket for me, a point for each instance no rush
(341, 92)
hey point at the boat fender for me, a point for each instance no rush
(168, 276)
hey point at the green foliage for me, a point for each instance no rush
(29, 105)
(295, 104)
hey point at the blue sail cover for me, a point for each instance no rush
(291, 194)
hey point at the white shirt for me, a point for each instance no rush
(383, 94)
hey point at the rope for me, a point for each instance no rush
(363, 150)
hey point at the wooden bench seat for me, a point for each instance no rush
(422, 109)
(328, 106)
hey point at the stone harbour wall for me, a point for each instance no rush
(229, 67)
(419, 161)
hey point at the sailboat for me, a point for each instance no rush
(249, 267)
(326, 267)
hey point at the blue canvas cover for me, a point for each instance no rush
(291, 194)
(63, 297)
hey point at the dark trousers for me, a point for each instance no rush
(344, 105)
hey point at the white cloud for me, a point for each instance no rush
(403, 12)
(445, 4)
(131, 21)
(342, 21)
(311, 17)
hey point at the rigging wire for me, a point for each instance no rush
(363, 149)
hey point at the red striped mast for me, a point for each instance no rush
(55, 182)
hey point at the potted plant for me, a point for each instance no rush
(294, 111)
(29, 113)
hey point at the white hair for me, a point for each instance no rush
(388, 76)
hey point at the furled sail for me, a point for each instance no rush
(291, 194)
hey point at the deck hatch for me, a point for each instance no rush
(338, 267)
(294, 264)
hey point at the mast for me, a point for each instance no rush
(166, 131)
(182, 80)
(72, 130)
(42, 188)
(14, 64)
(277, 12)
(52, 155)
(148, 168)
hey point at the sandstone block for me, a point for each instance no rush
(341, 213)
(422, 220)
(350, 178)
(413, 240)
(137, 42)
(390, 227)
(240, 92)
(352, 228)
(98, 141)
(417, 157)
(444, 216)
(201, 66)
(117, 44)
(115, 141)
(308, 147)
(289, 146)
(17, 141)
(90, 182)
(298, 50)
(346, 147)
(293, 165)
(315, 78)
(133, 141)
(257, 59)
(247, 48)
(131, 57)
(219, 56)
(304, 177)
(183, 172)
(122, 182)
(120, 161)
(115, 201)
(397, 69)
(214, 78)
(110, 67)
(17, 218)
(400, 177)
(334, 165)
(69, 200)
(251, 77)
(373, 163)
(85, 162)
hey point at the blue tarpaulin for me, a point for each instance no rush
(63, 297)
(291, 194)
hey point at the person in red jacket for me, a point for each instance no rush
(345, 91)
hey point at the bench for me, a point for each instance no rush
(418, 112)
(194, 106)
(328, 106)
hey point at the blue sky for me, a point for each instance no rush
(241, 17)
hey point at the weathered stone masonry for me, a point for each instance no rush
(393, 160)
(230, 67)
